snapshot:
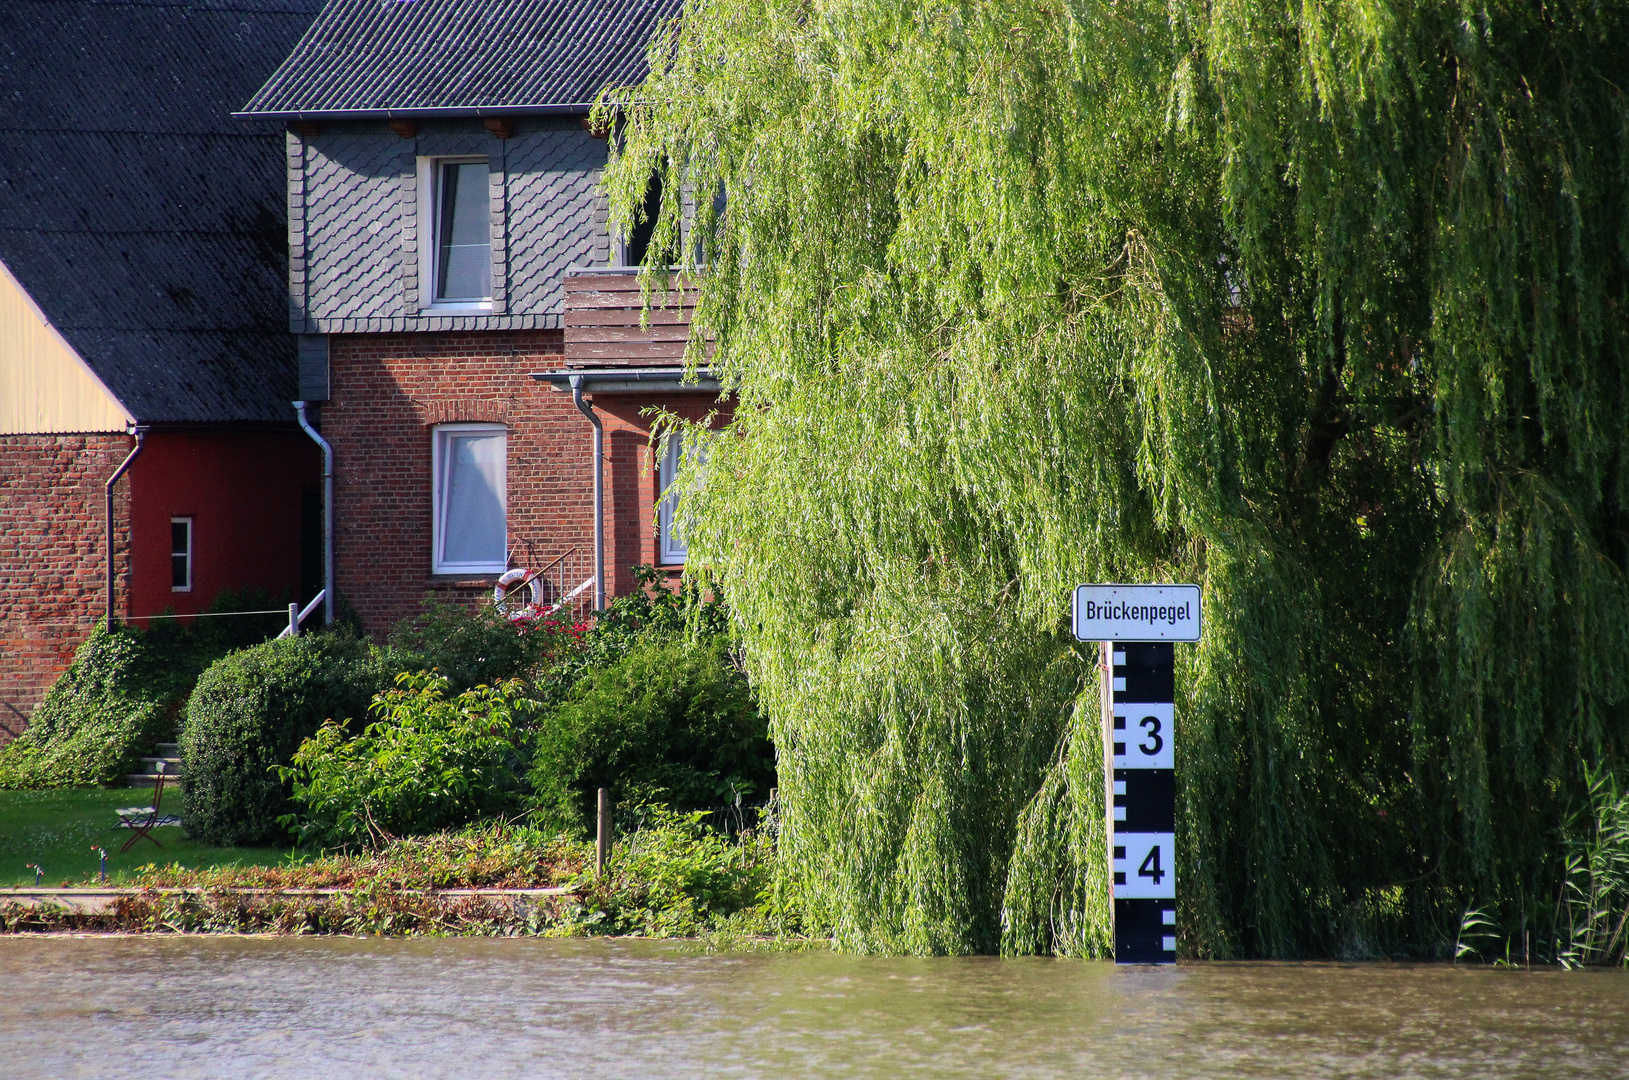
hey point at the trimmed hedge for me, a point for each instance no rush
(248, 714)
(673, 721)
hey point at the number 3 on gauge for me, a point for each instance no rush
(1143, 866)
(1142, 735)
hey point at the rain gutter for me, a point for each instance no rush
(141, 437)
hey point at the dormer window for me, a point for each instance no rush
(456, 218)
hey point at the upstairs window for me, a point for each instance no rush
(470, 465)
(181, 554)
(638, 242)
(457, 220)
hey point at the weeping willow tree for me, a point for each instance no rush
(1320, 305)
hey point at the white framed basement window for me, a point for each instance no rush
(455, 234)
(180, 554)
(671, 548)
(469, 465)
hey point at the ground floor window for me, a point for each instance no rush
(670, 544)
(181, 554)
(469, 463)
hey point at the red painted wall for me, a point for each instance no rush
(242, 490)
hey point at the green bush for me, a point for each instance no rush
(96, 721)
(248, 714)
(674, 877)
(174, 652)
(650, 611)
(673, 720)
(426, 762)
(476, 645)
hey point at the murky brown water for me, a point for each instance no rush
(223, 1007)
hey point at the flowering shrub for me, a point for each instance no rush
(543, 619)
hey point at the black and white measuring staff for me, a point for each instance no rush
(1136, 626)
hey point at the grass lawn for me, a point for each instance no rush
(58, 828)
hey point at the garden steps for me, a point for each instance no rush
(167, 754)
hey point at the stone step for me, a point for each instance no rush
(168, 749)
(171, 764)
(147, 780)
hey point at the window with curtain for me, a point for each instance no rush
(670, 545)
(470, 523)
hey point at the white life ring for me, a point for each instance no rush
(500, 593)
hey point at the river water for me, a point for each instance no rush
(179, 1007)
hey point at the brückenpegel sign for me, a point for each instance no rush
(1137, 613)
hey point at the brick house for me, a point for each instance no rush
(469, 327)
(149, 456)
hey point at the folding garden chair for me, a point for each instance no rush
(142, 820)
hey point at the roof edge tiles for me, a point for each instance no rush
(363, 59)
(559, 108)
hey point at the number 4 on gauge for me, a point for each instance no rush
(1143, 866)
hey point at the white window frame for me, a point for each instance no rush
(429, 169)
(191, 547)
(667, 469)
(438, 497)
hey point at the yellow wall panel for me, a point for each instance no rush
(44, 386)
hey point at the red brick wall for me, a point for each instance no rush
(632, 480)
(388, 390)
(52, 558)
(242, 490)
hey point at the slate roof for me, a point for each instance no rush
(147, 223)
(427, 58)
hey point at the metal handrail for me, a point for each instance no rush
(297, 616)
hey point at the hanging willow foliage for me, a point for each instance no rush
(1321, 305)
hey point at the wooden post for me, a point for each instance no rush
(602, 837)
(1105, 677)
(294, 620)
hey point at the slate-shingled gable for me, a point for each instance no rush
(147, 222)
(461, 57)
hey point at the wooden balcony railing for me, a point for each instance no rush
(603, 308)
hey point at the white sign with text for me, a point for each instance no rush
(1137, 613)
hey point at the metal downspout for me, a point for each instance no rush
(599, 490)
(327, 515)
(141, 436)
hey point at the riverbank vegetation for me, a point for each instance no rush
(668, 876)
(1324, 307)
(397, 783)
